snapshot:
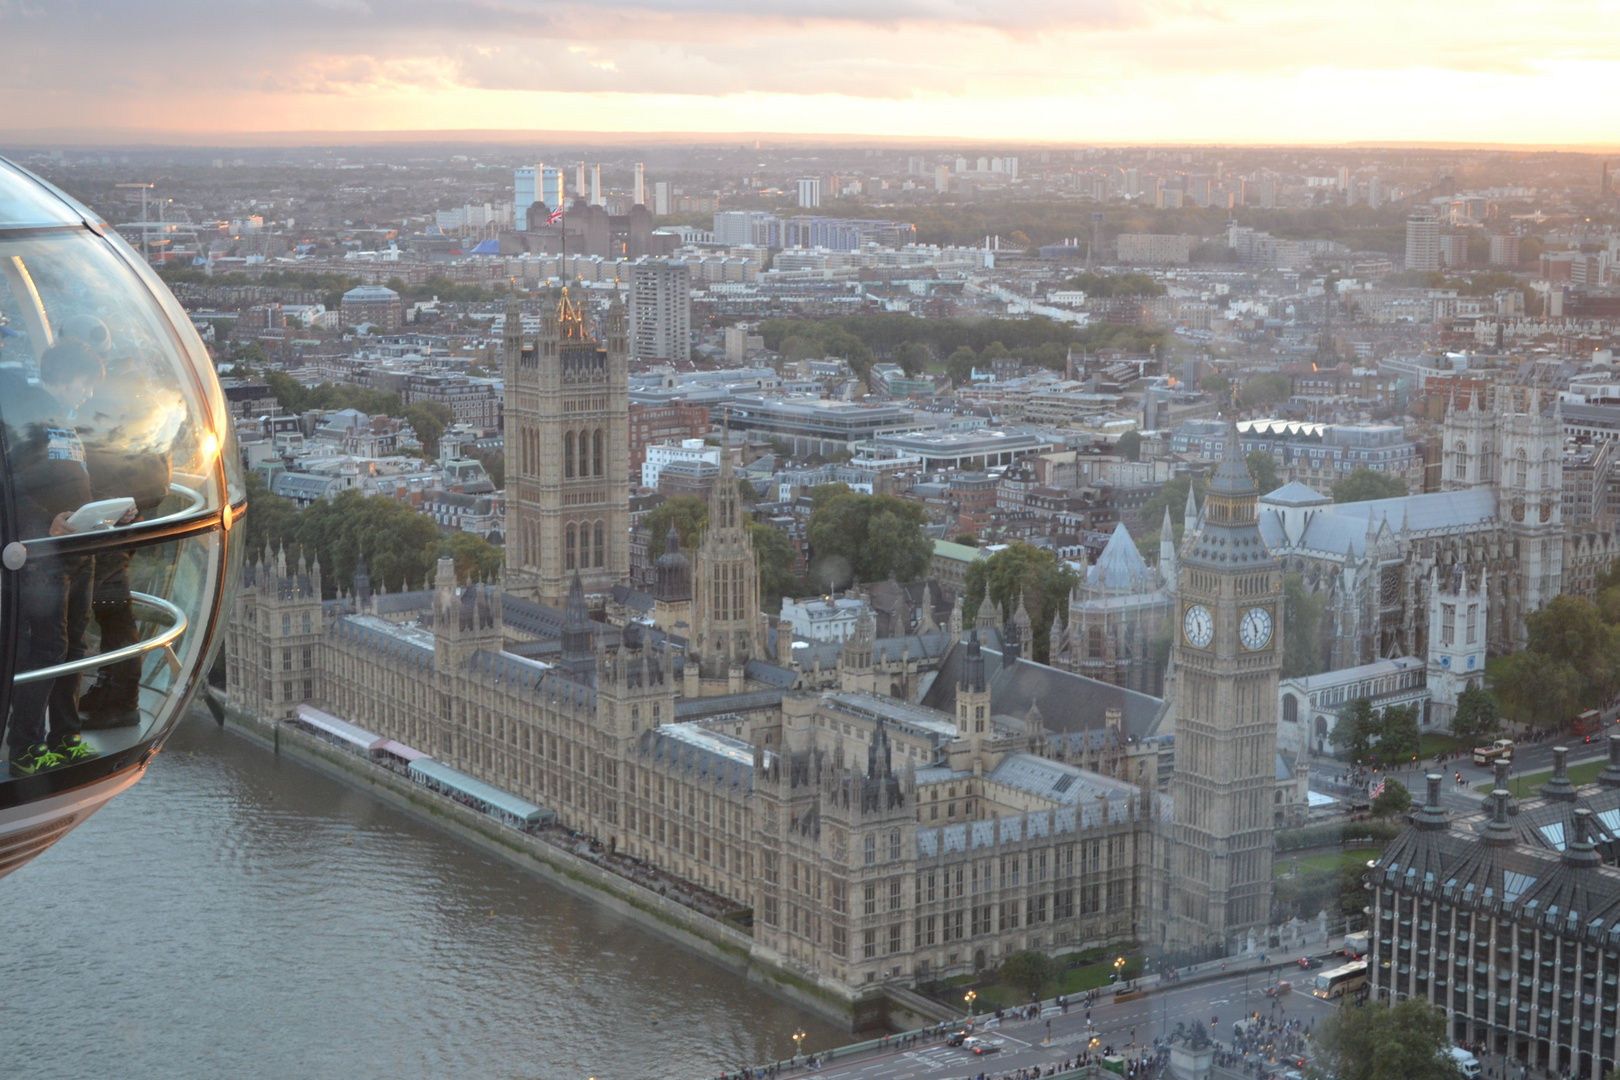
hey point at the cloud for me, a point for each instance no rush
(1201, 66)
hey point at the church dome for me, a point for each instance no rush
(119, 449)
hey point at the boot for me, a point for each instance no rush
(114, 700)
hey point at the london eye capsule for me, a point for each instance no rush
(121, 480)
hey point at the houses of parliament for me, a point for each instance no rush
(898, 807)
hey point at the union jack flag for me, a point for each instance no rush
(554, 217)
(1376, 789)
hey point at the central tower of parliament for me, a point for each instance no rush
(568, 435)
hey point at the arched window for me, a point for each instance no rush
(1462, 461)
(1094, 641)
(1485, 462)
(596, 455)
(1290, 708)
(1546, 470)
(568, 454)
(1523, 474)
(568, 548)
(599, 560)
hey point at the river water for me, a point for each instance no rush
(235, 915)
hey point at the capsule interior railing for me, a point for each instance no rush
(163, 640)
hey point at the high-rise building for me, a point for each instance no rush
(1504, 249)
(1423, 240)
(810, 191)
(1375, 192)
(596, 185)
(522, 195)
(942, 179)
(1226, 657)
(661, 198)
(1343, 180)
(1454, 250)
(639, 196)
(660, 310)
(567, 418)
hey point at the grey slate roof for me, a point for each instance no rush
(1069, 702)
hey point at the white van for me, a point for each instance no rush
(1467, 1063)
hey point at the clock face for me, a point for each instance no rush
(1255, 629)
(1199, 626)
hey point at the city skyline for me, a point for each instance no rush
(1252, 72)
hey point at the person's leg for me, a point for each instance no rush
(64, 692)
(114, 699)
(42, 593)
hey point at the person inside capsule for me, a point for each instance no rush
(50, 482)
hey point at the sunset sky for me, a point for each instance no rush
(1232, 71)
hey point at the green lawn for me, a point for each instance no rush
(1330, 861)
(1522, 787)
(1436, 743)
(1071, 981)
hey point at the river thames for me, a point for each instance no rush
(238, 915)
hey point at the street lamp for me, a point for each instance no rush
(798, 1042)
(1118, 966)
(970, 997)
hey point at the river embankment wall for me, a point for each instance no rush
(691, 930)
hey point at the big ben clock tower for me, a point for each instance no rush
(1227, 657)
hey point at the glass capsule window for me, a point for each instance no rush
(121, 481)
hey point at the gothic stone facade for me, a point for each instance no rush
(873, 839)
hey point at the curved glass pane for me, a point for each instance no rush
(25, 201)
(109, 427)
(101, 401)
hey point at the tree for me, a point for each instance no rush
(1173, 496)
(269, 517)
(476, 559)
(1264, 390)
(687, 513)
(1395, 799)
(1354, 731)
(867, 538)
(1263, 470)
(397, 541)
(1476, 715)
(1129, 445)
(290, 394)
(1569, 663)
(913, 357)
(774, 556)
(1570, 628)
(1398, 734)
(959, 365)
(1117, 285)
(1028, 970)
(1534, 689)
(426, 422)
(1409, 1039)
(966, 540)
(1302, 628)
(494, 464)
(1217, 386)
(1024, 571)
(1352, 890)
(1364, 485)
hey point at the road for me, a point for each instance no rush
(1530, 758)
(1129, 1027)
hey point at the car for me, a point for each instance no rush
(981, 1046)
(1308, 962)
(957, 1037)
